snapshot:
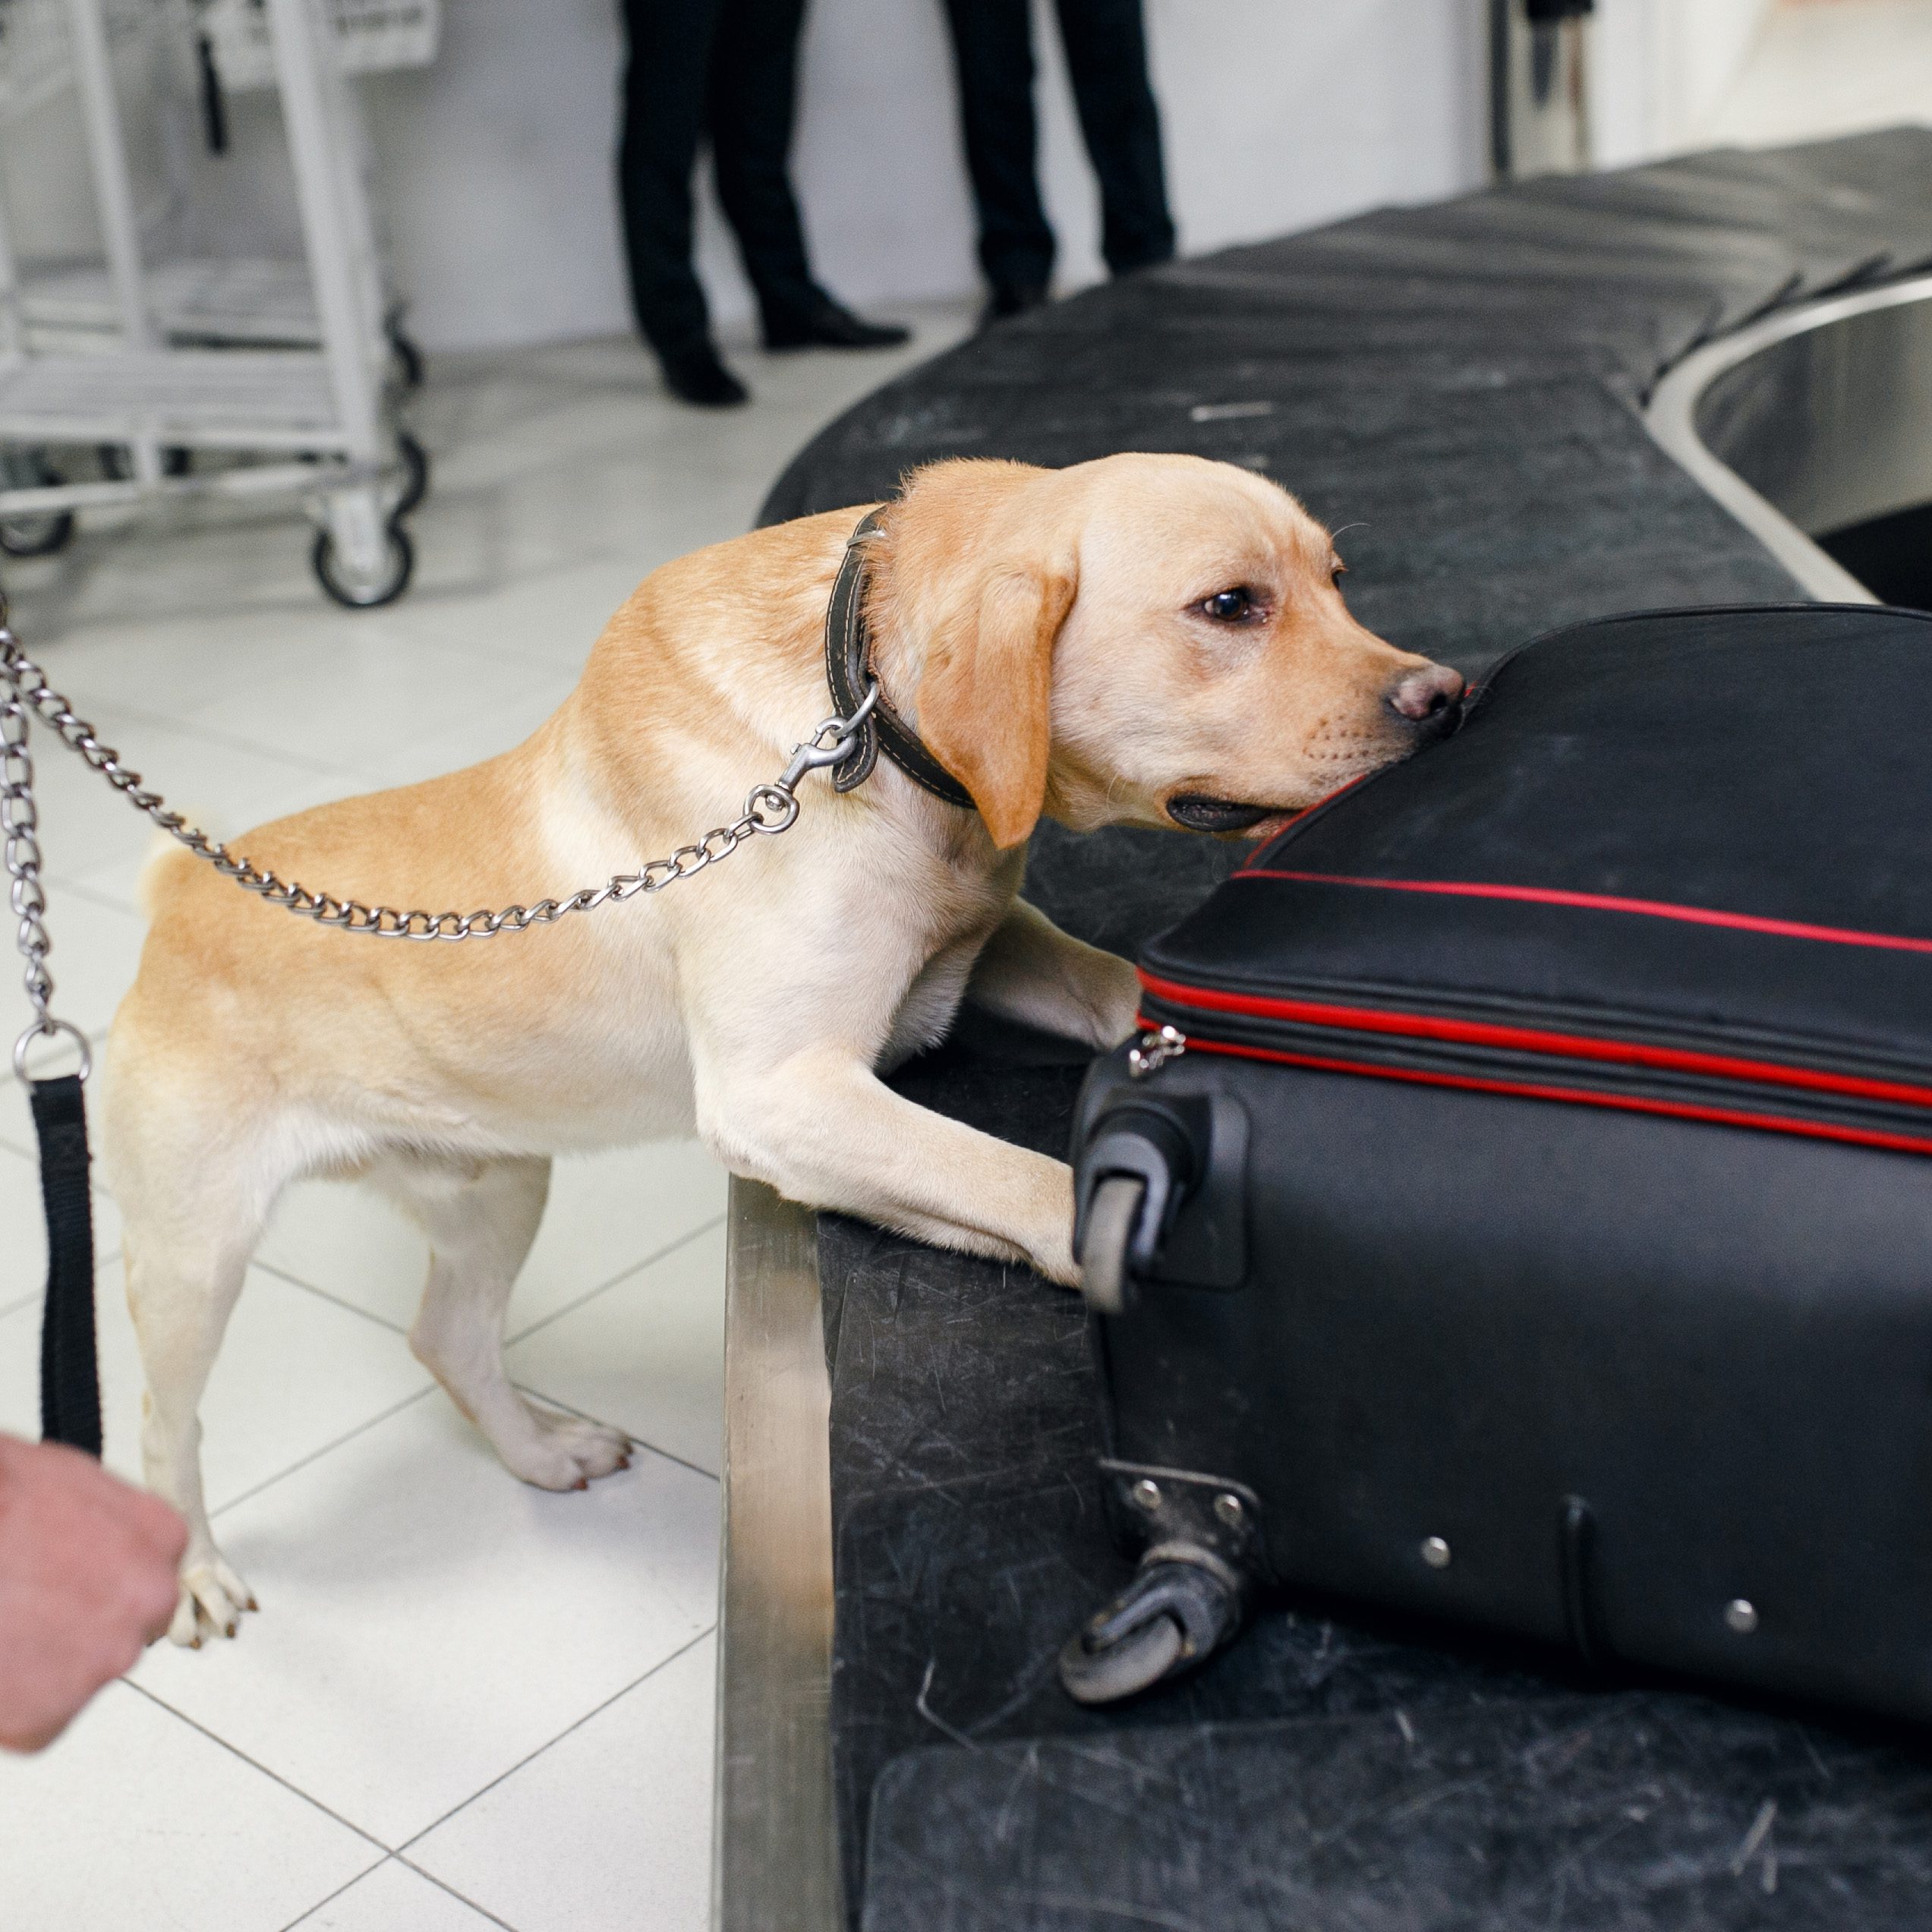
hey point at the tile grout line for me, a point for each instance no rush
(101, 1261)
(282, 1274)
(234, 1750)
(315, 1455)
(623, 1274)
(309, 1912)
(396, 1408)
(604, 1421)
(482, 1912)
(461, 1898)
(531, 1757)
(322, 1294)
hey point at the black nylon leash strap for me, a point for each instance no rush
(69, 1379)
(849, 670)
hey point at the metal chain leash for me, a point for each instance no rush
(19, 824)
(772, 807)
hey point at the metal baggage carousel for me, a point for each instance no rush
(1705, 381)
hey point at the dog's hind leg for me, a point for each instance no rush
(480, 1218)
(189, 1235)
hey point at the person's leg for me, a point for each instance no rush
(1106, 43)
(750, 110)
(993, 54)
(670, 43)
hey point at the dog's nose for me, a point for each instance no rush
(1428, 699)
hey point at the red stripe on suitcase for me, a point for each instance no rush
(1522, 1039)
(1597, 901)
(1624, 1103)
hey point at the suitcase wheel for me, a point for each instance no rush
(1110, 1228)
(1176, 1613)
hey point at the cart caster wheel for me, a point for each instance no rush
(357, 594)
(408, 359)
(34, 536)
(415, 461)
(37, 536)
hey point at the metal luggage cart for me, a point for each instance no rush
(317, 423)
(209, 301)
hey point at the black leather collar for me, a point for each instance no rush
(849, 672)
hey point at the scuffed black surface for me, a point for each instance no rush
(1587, 1814)
(1457, 382)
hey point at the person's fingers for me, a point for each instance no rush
(79, 1485)
(36, 1737)
(88, 1574)
(164, 1530)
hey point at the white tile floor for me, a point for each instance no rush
(465, 1703)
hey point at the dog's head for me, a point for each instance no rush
(1153, 640)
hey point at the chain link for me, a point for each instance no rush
(772, 807)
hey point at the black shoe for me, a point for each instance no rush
(696, 376)
(831, 326)
(1011, 299)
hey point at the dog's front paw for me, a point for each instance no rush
(1113, 998)
(1057, 1263)
(565, 1452)
(1051, 1249)
(211, 1603)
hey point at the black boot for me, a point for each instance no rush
(829, 325)
(1010, 299)
(695, 375)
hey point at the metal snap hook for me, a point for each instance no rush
(813, 754)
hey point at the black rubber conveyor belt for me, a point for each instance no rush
(1458, 383)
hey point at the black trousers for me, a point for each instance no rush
(724, 70)
(1106, 45)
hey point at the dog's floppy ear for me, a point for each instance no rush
(986, 616)
(985, 701)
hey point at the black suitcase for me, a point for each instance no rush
(1518, 1209)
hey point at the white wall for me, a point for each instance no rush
(1662, 69)
(496, 164)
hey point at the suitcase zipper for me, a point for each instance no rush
(1439, 1051)
(1153, 1049)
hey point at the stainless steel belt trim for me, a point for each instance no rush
(775, 1844)
(1672, 413)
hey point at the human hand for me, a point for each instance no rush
(87, 1568)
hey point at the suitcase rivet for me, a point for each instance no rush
(1228, 1508)
(1435, 1552)
(1146, 1495)
(1741, 1615)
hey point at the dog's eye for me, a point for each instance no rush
(1338, 574)
(1229, 607)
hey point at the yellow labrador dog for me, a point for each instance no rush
(1143, 640)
